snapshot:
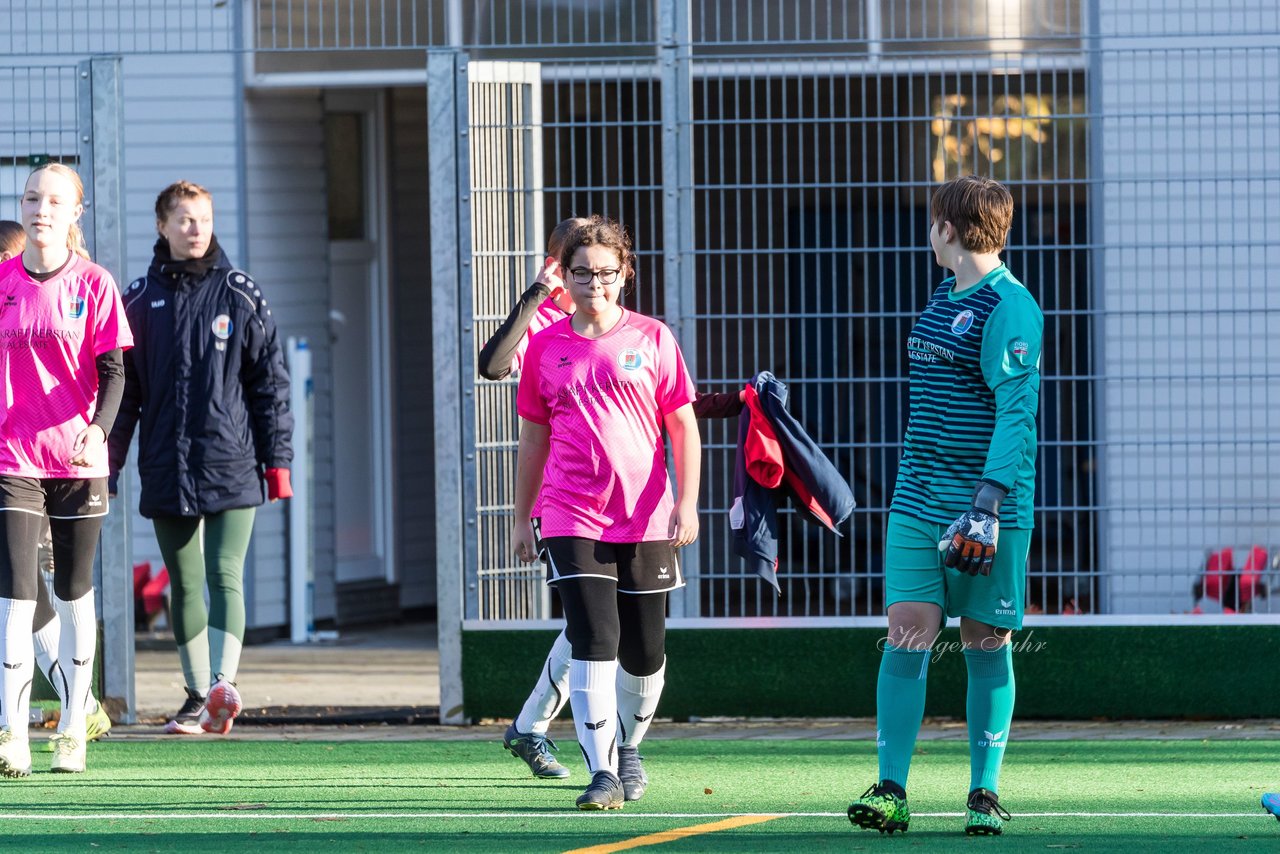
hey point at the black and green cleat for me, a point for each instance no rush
(985, 816)
(882, 807)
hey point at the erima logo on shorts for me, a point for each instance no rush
(222, 327)
(992, 739)
(95, 500)
(630, 359)
(963, 322)
(1006, 608)
(663, 572)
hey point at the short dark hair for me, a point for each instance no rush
(601, 231)
(176, 193)
(981, 209)
(12, 237)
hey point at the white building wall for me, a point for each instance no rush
(1191, 323)
(288, 257)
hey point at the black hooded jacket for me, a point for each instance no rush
(206, 381)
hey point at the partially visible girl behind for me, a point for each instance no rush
(63, 333)
(47, 628)
(596, 390)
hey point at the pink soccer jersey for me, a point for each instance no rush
(605, 398)
(51, 334)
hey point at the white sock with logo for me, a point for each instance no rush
(637, 701)
(76, 650)
(551, 691)
(594, 699)
(17, 616)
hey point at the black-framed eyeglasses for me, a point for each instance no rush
(583, 276)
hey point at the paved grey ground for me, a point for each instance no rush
(396, 666)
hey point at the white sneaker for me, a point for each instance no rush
(220, 708)
(68, 754)
(15, 754)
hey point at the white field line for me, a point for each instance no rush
(255, 815)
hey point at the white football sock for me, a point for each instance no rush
(76, 650)
(637, 701)
(46, 644)
(551, 691)
(594, 698)
(17, 617)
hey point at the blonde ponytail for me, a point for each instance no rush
(75, 241)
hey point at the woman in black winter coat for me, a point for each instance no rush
(207, 385)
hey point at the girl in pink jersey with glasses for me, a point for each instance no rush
(62, 336)
(596, 391)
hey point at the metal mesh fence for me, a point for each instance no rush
(38, 123)
(811, 164)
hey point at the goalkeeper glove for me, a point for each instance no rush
(970, 542)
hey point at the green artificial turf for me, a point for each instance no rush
(468, 796)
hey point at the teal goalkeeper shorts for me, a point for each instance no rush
(913, 572)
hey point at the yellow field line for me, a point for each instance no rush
(673, 835)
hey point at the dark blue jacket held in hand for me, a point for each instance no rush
(810, 479)
(206, 382)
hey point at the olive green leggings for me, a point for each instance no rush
(218, 559)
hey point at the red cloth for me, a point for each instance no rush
(278, 484)
(763, 451)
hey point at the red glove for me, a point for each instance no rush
(278, 484)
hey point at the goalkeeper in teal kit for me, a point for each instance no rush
(960, 522)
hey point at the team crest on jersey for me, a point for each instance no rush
(963, 322)
(222, 327)
(75, 307)
(630, 359)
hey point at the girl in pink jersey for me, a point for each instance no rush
(545, 302)
(596, 391)
(62, 335)
(47, 628)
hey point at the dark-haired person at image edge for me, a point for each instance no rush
(206, 385)
(47, 626)
(596, 392)
(546, 301)
(960, 521)
(62, 335)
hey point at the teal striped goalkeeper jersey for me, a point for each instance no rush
(975, 388)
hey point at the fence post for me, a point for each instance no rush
(444, 68)
(674, 70)
(101, 136)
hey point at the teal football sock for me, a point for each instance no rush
(899, 709)
(989, 708)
